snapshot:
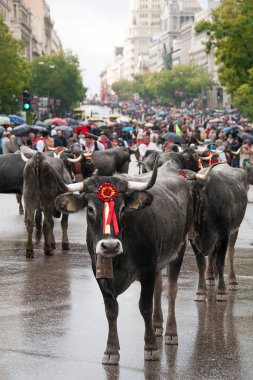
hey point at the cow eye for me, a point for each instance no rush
(90, 210)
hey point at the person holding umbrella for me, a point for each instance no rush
(8, 143)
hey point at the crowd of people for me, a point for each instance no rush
(150, 127)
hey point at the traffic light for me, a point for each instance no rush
(219, 94)
(26, 100)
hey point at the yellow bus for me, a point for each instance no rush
(78, 113)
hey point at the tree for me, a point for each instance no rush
(230, 33)
(123, 89)
(58, 76)
(14, 71)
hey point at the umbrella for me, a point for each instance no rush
(59, 121)
(48, 121)
(124, 119)
(2, 129)
(71, 121)
(246, 136)
(4, 120)
(41, 123)
(21, 130)
(149, 125)
(64, 128)
(178, 139)
(127, 129)
(14, 119)
(38, 128)
(83, 129)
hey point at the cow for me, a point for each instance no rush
(41, 177)
(249, 171)
(134, 229)
(187, 159)
(11, 176)
(219, 210)
(107, 162)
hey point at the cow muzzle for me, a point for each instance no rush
(109, 247)
(106, 249)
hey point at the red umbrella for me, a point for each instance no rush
(83, 128)
(58, 121)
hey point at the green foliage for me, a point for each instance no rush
(243, 96)
(58, 76)
(123, 89)
(230, 33)
(14, 71)
(188, 80)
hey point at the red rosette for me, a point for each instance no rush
(182, 174)
(107, 192)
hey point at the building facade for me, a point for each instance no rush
(30, 21)
(5, 10)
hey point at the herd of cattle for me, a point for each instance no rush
(136, 225)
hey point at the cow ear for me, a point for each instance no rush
(69, 203)
(138, 199)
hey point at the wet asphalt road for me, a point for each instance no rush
(53, 324)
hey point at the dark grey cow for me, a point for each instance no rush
(219, 210)
(41, 178)
(249, 171)
(187, 159)
(154, 217)
(108, 162)
(11, 176)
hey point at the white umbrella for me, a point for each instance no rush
(4, 120)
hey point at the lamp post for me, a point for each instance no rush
(50, 67)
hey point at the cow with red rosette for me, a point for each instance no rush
(135, 227)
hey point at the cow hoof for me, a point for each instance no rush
(30, 254)
(151, 355)
(210, 282)
(171, 340)
(65, 246)
(21, 212)
(48, 252)
(110, 359)
(53, 245)
(200, 297)
(233, 287)
(221, 297)
(159, 331)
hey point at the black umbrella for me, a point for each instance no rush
(37, 128)
(178, 139)
(246, 136)
(21, 130)
(41, 123)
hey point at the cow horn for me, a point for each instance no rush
(146, 185)
(88, 156)
(49, 148)
(204, 177)
(180, 150)
(145, 166)
(24, 158)
(75, 186)
(75, 159)
(205, 158)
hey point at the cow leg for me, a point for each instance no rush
(47, 233)
(201, 264)
(64, 226)
(220, 254)
(210, 277)
(19, 200)
(53, 244)
(158, 314)
(146, 308)
(111, 354)
(38, 223)
(232, 282)
(173, 270)
(29, 218)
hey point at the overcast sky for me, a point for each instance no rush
(90, 28)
